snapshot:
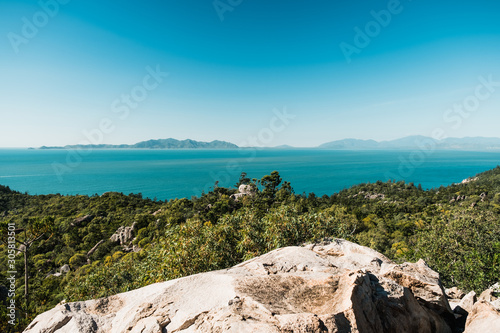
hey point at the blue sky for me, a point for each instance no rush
(228, 78)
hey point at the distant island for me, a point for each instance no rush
(406, 143)
(158, 144)
(416, 142)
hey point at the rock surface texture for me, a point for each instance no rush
(484, 315)
(123, 234)
(335, 286)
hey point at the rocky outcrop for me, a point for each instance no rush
(458, 198)
(62, 270)
(243, 190)
(336, 286)
(368, 195)
(484, 315)
(78, 221)
(468, 180)
(123, 234)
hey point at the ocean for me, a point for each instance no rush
(169, 174)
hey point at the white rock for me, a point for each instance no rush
(316, 288)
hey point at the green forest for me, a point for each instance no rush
(67, 247)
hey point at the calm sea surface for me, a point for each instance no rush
(168, 174)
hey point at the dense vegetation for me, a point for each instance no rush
(455, 229)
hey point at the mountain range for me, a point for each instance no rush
(409, 142)
(416, 142)
(158, 144)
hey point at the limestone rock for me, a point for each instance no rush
(335, 286)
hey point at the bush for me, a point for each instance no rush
(77, 260)
(464, 247)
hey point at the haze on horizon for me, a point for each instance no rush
(229, 70)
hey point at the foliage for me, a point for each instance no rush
(464, 247)
(455, 229)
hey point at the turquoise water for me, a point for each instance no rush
(168, 174)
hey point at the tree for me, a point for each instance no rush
(270, 183)
(33, 231)
(244, 180)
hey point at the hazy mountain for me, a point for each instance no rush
(417, 142)
(192, 144)
(471, 143)
(283, 147)
(350, 144)
(406, 142)
(159, 144)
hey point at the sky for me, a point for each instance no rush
(260, 72)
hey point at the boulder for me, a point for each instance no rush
(488, 295)
(335, 286)
(484, 315)
(467, 302)
(482, 318)
(123, 234)
(454, 293)
(86, 218)
(375, 196)
(243, 190)
(64, 269)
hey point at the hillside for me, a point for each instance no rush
(88, 247)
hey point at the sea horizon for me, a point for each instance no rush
(166, 174)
